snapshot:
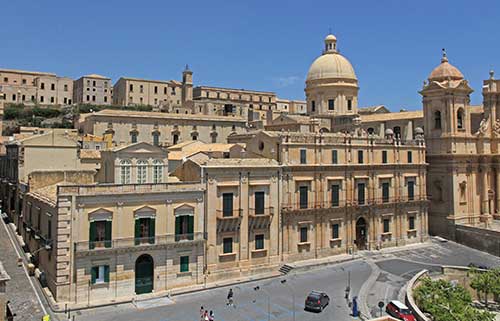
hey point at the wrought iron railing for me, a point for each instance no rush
(128, 242)
(344, 203)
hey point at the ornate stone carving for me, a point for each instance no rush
(483, 127)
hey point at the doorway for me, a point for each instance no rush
(144, 278)
(361, 229)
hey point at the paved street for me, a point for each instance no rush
(392, 270)
(20, 293)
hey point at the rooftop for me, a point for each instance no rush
(237, 90)
(34, 73)
(392, 116)
(159, 115)
(241, 162)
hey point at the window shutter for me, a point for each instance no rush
(177, 225)
(93, 274)
(190, 225)
(152, 222)
(106, 273)
(92, 234)
(137, 234)
(107, 234)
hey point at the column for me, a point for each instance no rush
(497, 192)
(243, 206)
(484, 190)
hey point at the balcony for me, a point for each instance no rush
(133, 242)
(262, 212)
(229, 215)
(354, 203)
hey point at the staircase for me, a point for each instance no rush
(285, 269)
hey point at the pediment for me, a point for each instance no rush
(184, 209)
(140, 148)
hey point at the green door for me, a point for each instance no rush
(144, 268)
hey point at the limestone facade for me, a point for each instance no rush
(93, 89)
(97, 238)
(162, 129)
(28, 87)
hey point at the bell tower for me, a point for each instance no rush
(187, 88)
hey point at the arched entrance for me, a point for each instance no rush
(361, 229)
(144, 278)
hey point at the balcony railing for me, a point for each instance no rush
(261, 212)
(129, 242)
(228, 215)
(356, 203)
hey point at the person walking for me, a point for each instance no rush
(230, 297)
(205, 318)
(202, 313)
(211, 316)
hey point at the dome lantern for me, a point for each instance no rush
(330, 44)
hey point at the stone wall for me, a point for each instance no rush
(478, 238)
(40, 179)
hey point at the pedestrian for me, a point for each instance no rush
(211, 316)
(202, 313)
(206, 316)
(230, 297)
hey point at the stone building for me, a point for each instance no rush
(161, 129)
(167, 96)
(248, 104)
(93, 89)
(29, 88)
(108, 243)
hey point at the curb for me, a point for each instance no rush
(363, 292)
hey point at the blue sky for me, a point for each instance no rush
(261, 45)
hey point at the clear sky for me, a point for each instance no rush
(262, 45)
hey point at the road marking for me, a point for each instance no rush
(24, 267)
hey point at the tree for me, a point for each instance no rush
(448, 302)
(485, 282)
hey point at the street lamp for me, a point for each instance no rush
(257, 288)
(293, 296)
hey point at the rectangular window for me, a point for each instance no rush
(411, 190)
(100, 234)
(41, 99)
(331, 104)
(335, 195)
(335, 158)
(184, 227)
(145, 230)
(131, 88)
(65, 87)
(88, 98)
(52, 99)
(93, 98)
(156, 139)
(141, 89)
(361, 193)
(49, 230)
(360, 157)
(133, 137)
(227, 204)
(156, 89)
(410, 157)
(411, 223)
(303, 156)
(259, 203)
(385, 192)
(227, 245)
(184, 264)
(303, 190)
(349, 104)
(386, 225)
(52, 87)
(303, 234)
(335, 231)
(42, 86)
(384, 157)
(100, 274)
(313, 106)
(259, 241)
(93, 83)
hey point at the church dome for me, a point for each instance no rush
(331, 64)
(445, 71)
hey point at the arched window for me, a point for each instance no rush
(156, 138)
(142, 167)
(125, 171)
(157, 171)
(175, 138)
(460, 119)
(437, 120)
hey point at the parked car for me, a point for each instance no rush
(317, 301)
(399, 311)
